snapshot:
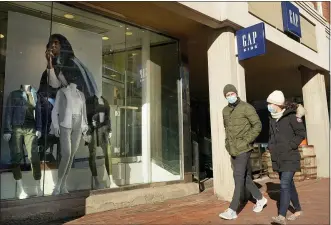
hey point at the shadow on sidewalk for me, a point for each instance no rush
(273, 190)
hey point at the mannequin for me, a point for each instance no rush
(100, 135)
(23, 129)
(69, 121)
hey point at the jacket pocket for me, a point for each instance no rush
(242, 145)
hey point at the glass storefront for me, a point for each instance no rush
(87, 102)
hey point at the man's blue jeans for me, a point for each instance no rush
(288, 193)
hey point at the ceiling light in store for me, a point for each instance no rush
(2, 36)
(128, 33)
(105, 38)
(134, 54)
(128, 28)
(113, 75)
(68, 16)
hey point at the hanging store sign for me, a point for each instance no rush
(291, 19)
(251, 41)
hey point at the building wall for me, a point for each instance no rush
(237, 14)
(326, 10)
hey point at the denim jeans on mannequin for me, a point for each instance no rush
(288, 193)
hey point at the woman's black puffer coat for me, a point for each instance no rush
(285, 135)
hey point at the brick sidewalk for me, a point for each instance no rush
(204, 209)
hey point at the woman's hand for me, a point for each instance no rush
(49, 56)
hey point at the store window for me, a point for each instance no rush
(87, 102)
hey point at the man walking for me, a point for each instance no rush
(242, 126)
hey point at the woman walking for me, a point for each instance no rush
(286, 132)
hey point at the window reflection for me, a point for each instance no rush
(127, 77)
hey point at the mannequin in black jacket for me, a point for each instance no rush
(98, 117)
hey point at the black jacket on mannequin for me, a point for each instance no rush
(93, 108)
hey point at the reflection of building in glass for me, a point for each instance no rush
(108, 57)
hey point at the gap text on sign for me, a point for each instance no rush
(294, 18)
(291, 19)
(251, 41)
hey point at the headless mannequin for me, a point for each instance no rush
(112, 184)
(26, 88)
(69, 136)
(20, 192)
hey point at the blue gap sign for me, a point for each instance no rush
(291, 19)
(251, 41)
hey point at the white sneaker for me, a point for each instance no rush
(229, 214)
(22, 195)
(258, 207)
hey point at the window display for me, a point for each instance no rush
(88, 102)
(22, 128)
(99, 135)
(69, 121)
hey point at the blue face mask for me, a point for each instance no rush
(232, 99)
(271, 109)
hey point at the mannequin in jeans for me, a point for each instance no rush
(98, 114)
(25, 129)
(69, 121)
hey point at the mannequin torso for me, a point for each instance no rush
(29, 115)
(77, 103)
(22, 102)
(69, 101)
(101, 106)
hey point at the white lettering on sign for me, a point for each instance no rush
(294, 18)
(249, 41)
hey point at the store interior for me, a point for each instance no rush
(122, 83)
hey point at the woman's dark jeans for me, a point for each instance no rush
(288, 193)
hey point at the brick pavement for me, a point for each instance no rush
(205, 207)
